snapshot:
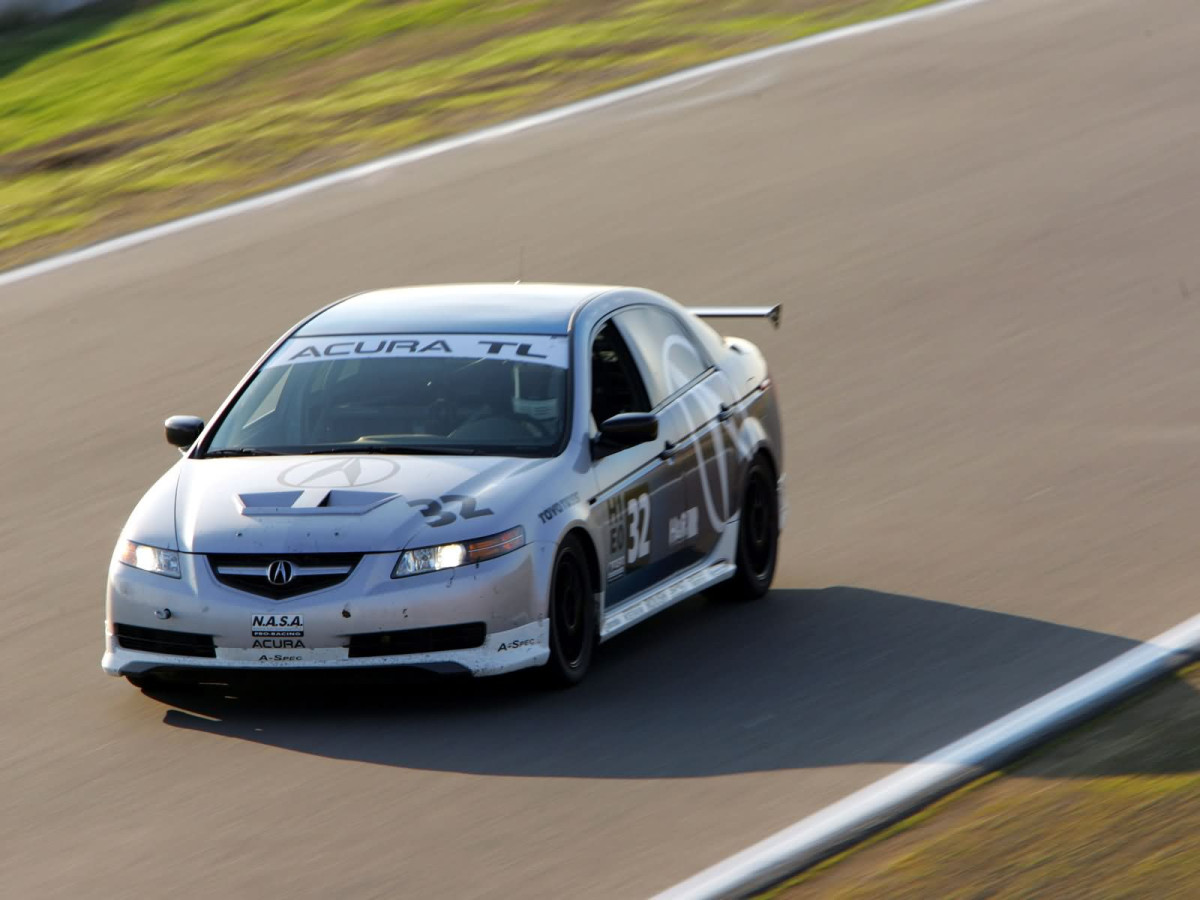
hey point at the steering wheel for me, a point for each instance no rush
(440, 416)
(510, 427)
(536, 426)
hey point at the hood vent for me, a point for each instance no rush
(337, 502)
(353, 501)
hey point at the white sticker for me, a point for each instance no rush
(542, 349)
(684, 526)
(280, 655)
(637, 508)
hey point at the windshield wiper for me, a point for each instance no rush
(240, 451)
(409, 449)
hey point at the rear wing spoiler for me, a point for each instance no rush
(738, 312)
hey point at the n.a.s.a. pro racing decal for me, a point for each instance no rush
(277, 632)
(628, 530)
(542, 349)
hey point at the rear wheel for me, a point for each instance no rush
(758, 535)
(572, 615)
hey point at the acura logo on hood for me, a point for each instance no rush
(279, 572)
(348, 471)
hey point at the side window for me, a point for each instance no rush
(616, 385)
(670, 355)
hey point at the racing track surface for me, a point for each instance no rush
(984, 227)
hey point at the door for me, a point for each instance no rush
(641, 487)
(698, 395)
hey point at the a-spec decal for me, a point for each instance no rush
(628, 530)
(513, 645)
(547, 350)
(435, 512)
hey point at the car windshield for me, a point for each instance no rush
(439, 394)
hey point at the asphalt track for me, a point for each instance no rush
(984, 228)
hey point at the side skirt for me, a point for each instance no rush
(679, 587)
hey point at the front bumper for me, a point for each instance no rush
(506, 594)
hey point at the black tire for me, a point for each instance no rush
(758, 536)
(572, 615)
(144, 682)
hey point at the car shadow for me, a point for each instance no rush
(800, 679)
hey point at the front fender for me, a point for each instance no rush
(152, 521)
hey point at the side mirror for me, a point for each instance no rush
(182, 431)
(626, 430)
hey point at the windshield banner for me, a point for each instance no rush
(542, 349)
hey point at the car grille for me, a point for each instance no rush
(307, 572)
(158, 640)
(418, 640)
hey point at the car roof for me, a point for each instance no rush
(476, 308)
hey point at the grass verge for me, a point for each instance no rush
(132, 112)
(1111, 810)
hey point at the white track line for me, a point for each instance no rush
(903, 792)
(437, 148)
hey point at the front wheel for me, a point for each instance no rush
(155, 683)
(143, 682)
(758, 536)
(572, 615)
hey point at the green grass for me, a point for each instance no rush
(1111, 810)
(130, 112)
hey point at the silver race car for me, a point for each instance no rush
(455, 479)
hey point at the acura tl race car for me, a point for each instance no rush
(464, 479)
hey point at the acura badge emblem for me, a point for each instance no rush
(279, 572)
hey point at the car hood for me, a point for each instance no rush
(363, 503)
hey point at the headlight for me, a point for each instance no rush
(149, 559)
(449, 556)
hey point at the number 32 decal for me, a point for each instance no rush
(436, 515)
(628, 531)
(637, 510)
